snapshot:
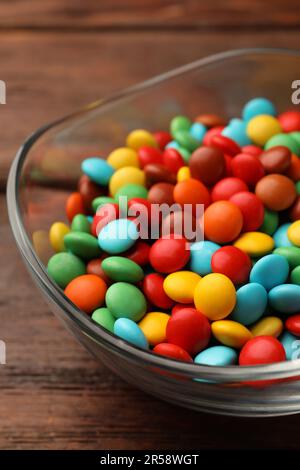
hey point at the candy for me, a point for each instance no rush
(172, 160)
(126, 175)
(118, 236)
(180, 286)
(98, 170)
(215, 296)
(251, 302)
(261, 128)
(291, 346)
(139, 253)
(198, 131)
(119, 269)
(103, 317)
(291, 253)
(101, 201)
(231, 333)
(270, 222)
(285, 298)
(293, 233)
(255, 243)
(64, 267)
(292, 324)
(162, 138)
(82, 244)
(232, 262)
(123, 156)
(80, 223)
(154, 291)
(277, 192)
(87, 292)
(173, 351)
(188, 329)
(57, 232)
(74, 205)
(237, 131)
(295, 275)
(275, 264)
(258, 106)
(268, 326)
(154, 325)
(207, 164)
(148, 155)
(131, 332)
(225, 144)
(290, 121)
(191, 191)
(180, 123)
(261, 350)
(183, 174)
(89, 191)
(227, 187)
(124, 300)
(247, 168)
(140, 138)
(161, 193)
(200, 258)
(251, 208)
(169, 254)
(276, 159)
(156, 173)
(280, 237)
(217, 356)
(286, 140)
(210, 120)
(223, 222)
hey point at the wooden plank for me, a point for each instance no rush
(55, 396)
(149, 13)
(51, 74)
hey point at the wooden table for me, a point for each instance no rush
(55, 57)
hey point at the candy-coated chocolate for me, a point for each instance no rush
(247, 168)
(201, 255)
(154, 291)
(251, 208)
(286, 140)
(98, 170)
(258, 106)
(169, 254)
(119, 268)
(207, 164)
(80, 223)
(156, 173)
(82, 244)
(261, 350)
(126, 175)
(227, 187)
(251, 303)
(291, 345)
(118, 236)
(87, 292)
(183, 174)
(255, 243)
(291, 253)
(270, 222)
(148, 155)
(232, 262)
(267, 326)
(154, 325)
(180, 286)
(223, 222)
(104, 318)
(57, 232)
(292, 324)
(277, 192)
(123, 156)
(215, 296)
(281, 237)
(125, 300)
(293, 233)
(140, 138)
(285, 298)
(270, 271)
(217, 356)
(128, 330)
(173, 351)
(64, 267)
(276, 159)
(231, 333)
(262, 127)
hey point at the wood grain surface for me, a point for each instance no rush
(56, 56)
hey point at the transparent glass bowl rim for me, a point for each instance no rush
(83, 321)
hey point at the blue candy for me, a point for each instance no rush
(291, 345)
(280, 236)
(200, 256)
(98, 170)
(129, 331)
(173, 145)
(217, 356)
(251, 302)
(236, 130)
(258, 106)
(270, 271)
(198, 131)
(118, 236)
(285, 298)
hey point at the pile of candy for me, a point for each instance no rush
(233, 298)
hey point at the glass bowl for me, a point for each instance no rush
(47, 167)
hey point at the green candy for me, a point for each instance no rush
(287, 140)
(291, 253)
(64, 267)
(186, 154)
(119, 268)
(130, 191)
(296, 136)
(82, 244)
(180, 123)
(295, 275)
(80, 223)
(270, 222)
(298, 187)
(100, 201)
(186, 140)
(124, 300)
(104, 318)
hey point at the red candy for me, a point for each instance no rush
(252, 150)
(139, 253)
(232, 262)
(188, 329)
(290, 121)
(251, 208)
(169, 254)
(178, 307)
(162, 138)
(248, 168)
(211, 133)
(261, 350)
(172, 160)
(225, 144)
(292, 324)
(227, 187)
(149, 155)
(173, 351)
(105, 214)
(153, 289)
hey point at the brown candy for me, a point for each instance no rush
(210, 120)
(94, 267)
(161, 193)
(276, 159)
(89, 191)
(277, 192)
(156, 173)
(295, 210)
(207, 164)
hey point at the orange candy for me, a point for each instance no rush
(191, 191)
(74, 205)
(223, 222)
(294, 168)
(87, 292)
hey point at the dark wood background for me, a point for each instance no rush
(55, 56)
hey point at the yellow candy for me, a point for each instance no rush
(154, 326)
(56, 236)
(123, 156)
(269, 326)
(215, 296)
(180, 286)
(293, 233)
(261, 128)
(183, 174)
(126, 175)
(139, 138)
(231, 333)
(255, 243)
